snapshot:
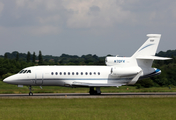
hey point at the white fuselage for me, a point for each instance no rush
(67, 75)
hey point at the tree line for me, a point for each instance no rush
(64, 59)
(11, 63)
(24, 57)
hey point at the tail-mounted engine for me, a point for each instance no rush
(124, 72)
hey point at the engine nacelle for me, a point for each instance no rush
(126, 71)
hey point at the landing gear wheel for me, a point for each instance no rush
(92, 91)
(30, 94)
(95, 92)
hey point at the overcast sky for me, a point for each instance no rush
(80, 27)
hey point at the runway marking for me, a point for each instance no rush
(86, 95)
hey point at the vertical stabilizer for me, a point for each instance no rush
(149, 48)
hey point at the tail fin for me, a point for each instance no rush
(149, 47)
(146, 53)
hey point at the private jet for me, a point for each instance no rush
(117, 72)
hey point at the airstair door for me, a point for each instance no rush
(39, 78)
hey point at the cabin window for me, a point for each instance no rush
(72, 73)
(64, 73)
(98, 73)
(115, 61)
(77, 73)
(94, 73)
(68, 73)
(86, 73)
(90, 73)
(56, 73)
(81, 73)
(52, 73)
(60, 73)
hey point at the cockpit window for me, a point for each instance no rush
(29, 71)
(25, 71)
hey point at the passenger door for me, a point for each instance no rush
(39, 78)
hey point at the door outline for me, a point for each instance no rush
(39, 78)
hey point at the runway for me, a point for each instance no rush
(86, 95)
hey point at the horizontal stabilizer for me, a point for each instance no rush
(135, 79)
(82, 84)
(152, 58)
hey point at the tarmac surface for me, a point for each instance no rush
(86, 95)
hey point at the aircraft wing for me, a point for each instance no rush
(82, 84)
(135, 79)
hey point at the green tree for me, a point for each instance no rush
(5, 56)
(17, 56)
(6, 75)
(40, 58)
(145, 83)
(28, 56)
(33, 57)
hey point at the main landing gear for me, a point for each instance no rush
(95, 92)
(30, 89)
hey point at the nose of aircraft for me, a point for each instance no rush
(10, 79)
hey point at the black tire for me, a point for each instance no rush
(30, 94)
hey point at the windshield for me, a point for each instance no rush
(24, 71)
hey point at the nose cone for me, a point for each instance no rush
(10, 79)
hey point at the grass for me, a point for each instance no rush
(89, 109)
(8, 88)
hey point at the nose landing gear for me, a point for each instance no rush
(95, 92)
(30, 89)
